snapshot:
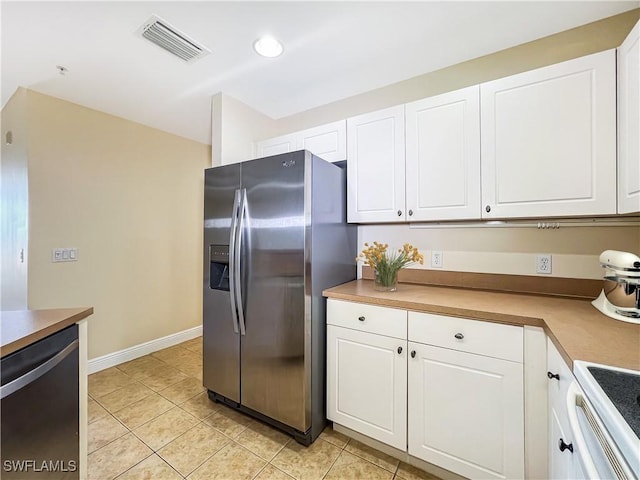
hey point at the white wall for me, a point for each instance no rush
(235, 126)
(14, 205)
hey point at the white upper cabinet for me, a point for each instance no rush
(443, 156)
(276, 146)
(549, 140)
(629, 123)
(328, 142)
(375, 173)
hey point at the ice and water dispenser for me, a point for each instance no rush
(219, 267)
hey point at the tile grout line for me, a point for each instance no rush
(198, 408)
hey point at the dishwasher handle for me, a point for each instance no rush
(37, 372)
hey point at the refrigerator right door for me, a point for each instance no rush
(221, 342)
(273, 380)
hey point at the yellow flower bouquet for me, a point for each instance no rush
(387, 263)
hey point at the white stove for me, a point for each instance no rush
(607, 420)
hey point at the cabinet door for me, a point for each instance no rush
(443, 156)
(560, 462)
(367, 384)
(328, 142)
(629, 123)
(466, 412)
(375, 161)
(276, 146)
(549, 140)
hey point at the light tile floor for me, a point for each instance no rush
(151, 419)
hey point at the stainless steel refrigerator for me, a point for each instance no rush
(275, 236)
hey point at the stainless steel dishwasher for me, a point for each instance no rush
(40, 408)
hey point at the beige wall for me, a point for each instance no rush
(14, 204)
(511, 250)
(130, 199)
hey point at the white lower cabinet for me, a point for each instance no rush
(466, 412)
(446, 390)
(561, 445)
(466, 395)
(367, 378)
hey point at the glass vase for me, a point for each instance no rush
(385, 283)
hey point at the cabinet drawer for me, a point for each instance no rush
(367, 318)
(473, 336)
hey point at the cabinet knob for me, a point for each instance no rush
(459, 336)
(410, 212)
(413, 354)
(399, 349)
(565, 446)
(488, 208)
(553, 375)
(361, 319)
(399, 213)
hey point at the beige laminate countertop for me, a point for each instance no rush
(23, 327)
(576, 327)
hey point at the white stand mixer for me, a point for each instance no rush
(620, 297)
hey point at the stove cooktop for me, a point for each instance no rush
(623, 390)
(615, 395)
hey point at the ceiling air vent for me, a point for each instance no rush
(163, 34)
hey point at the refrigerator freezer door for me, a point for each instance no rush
(221, 345)
(273, 272)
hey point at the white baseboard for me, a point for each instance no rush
(131, 353)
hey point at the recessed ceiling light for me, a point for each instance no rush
(268, 47)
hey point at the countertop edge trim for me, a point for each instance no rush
(44, 332)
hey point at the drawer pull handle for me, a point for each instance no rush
(413, 354)
(361, 319)
(565, 446)
(459, 336)
(399, 213)
(553, 375)
(399, 350)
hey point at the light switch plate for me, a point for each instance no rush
(64, 255)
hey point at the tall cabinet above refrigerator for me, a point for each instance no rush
(275, 236)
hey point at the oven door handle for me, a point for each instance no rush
(36, 373)
(575, 400)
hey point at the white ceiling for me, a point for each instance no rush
(333, 50)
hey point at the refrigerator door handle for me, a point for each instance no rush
(237, 257)
(233, 260)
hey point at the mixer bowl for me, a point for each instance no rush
(623, 293)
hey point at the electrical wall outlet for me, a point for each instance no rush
(436, 259)
(543, 263)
